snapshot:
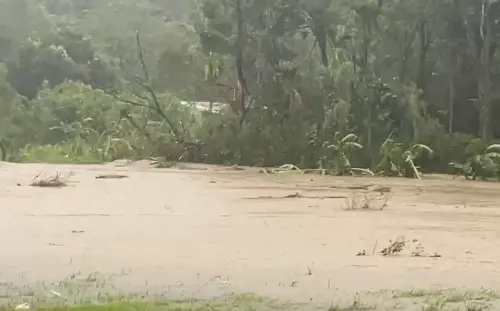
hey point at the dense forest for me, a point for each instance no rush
(331, 84)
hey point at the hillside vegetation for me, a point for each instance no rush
(387, 85)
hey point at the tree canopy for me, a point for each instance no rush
(292, 77)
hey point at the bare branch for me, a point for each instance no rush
(141, 56)
(127, 101)
(136, 94)
(153, 101)
(154, 108)
(146, 85)
(134, 78)
(124, 113)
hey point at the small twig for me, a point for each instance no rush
(141, 56)
(374, 247)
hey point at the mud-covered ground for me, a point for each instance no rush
(202, 231)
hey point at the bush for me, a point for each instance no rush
(58, 154)
(448, 148)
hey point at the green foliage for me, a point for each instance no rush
(64, 153)
(452, 147)
(391, 155)
(396, 161)
(483, 165)
(3, 150)
(286, 80)
(71, 110)
(341, 149)
(53, 60)
(412, 154)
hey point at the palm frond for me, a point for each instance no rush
(495, 155)
(387, 143)
(422, 147)
(388, 148)
(456, 165)
(363, 170)
(288, 168)
(409, 162)
(419, 150)
(336, 136)
(487, 163)
(408, 155)
(349, 138)
(353, 145)
(345, 161)
(493, 148)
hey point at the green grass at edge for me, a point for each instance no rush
(240, 303)
(75, 161)
(449, 300)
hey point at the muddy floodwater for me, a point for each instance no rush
(202, 231)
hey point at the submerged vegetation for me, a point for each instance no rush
(316, 84)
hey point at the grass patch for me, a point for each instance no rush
(244, 302)
(423, 300)
(59, 154)
(450, 295)
(96, 292)
(449, 299)
(355, 306)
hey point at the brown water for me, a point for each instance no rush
(202, 233)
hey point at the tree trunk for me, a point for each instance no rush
(422, 55)
(451, 105)
(484, 81)
(484, 104)
(369, 128)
